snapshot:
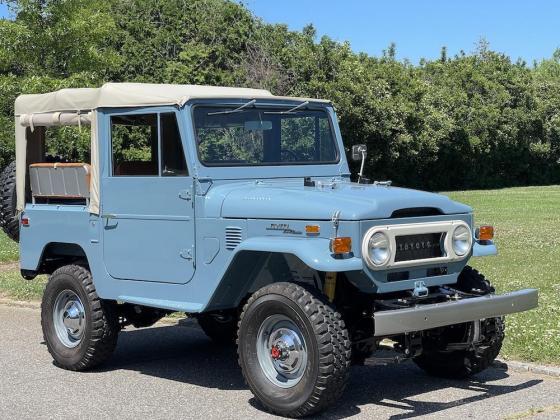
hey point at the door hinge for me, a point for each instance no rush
(185, 195)
(186, 254)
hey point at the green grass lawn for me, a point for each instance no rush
(527, 223)
(8, 249)
(527, 229)
(14, 286)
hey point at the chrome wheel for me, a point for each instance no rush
(281, 351)
(69, 318)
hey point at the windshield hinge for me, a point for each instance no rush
(202, 185)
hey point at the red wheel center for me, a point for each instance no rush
(275, 352)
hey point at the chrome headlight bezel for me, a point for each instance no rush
(379, 242)
(461, 240)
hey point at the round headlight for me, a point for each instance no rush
(379, 251)
(461, 240)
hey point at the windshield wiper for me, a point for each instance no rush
(289, 111)
(231, 111)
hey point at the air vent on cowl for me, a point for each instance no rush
(234, 236)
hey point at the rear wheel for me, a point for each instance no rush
(80, 329)
(294, 350)
(220, 327)
(438, 356)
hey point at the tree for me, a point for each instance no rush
(467, 121)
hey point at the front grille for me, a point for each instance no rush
(419, 247)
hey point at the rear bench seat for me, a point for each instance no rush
(60, 181)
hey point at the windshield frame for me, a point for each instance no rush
(273, 106)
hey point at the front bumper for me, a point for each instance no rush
(425, 317)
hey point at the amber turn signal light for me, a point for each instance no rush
(312, 229)
(485, 233)
(342, 245)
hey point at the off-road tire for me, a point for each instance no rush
(220, 328)
(8, 202)
(472, 281)
(101, 321)
(458, 364)
(329, 349)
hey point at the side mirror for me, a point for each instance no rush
(358, 151)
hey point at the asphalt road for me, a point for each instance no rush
(173, 372)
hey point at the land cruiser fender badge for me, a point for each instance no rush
(284, 228)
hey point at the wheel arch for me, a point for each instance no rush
(260, 261)
(250, 270)
(55, 255)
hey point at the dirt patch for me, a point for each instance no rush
(31, 304)
(9, 266)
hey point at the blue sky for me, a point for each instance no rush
(528, 29)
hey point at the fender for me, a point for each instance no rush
(484, 249)
(312, 251)
(244, 266)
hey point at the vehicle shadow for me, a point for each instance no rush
(406, 387)
(184, 354)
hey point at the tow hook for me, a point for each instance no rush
(420, 289)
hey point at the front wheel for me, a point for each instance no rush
(438, 357)
(294, 350)
(80, 329)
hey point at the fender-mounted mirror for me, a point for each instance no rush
(358, 152)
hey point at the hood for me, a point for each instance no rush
(288, 200)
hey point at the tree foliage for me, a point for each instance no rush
(471, 120)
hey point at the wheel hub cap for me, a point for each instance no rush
(288, 348)
(69, 318)
(281, 351)
(73, 317)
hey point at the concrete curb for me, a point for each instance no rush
(527, 367)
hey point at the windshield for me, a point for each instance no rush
(228, 136)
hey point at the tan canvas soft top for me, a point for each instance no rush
(78, 107)
(117, 95)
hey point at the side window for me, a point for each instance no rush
(173, 158)
(134, 141)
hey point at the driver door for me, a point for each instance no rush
(147, 204)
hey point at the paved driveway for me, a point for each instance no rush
(173, 372)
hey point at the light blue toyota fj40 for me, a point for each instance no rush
(236, 207)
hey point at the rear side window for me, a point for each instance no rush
(147, 145)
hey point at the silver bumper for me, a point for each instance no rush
(424, 317)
